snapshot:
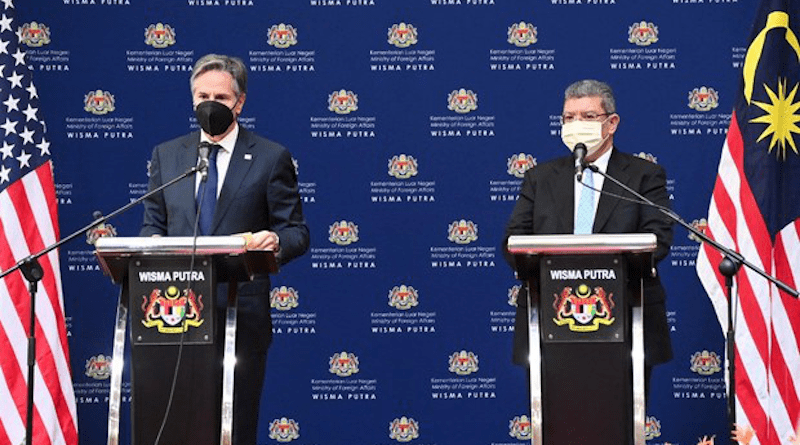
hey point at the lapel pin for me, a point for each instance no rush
(248, 157)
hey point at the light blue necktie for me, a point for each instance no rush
(585, 216)
(207, 193)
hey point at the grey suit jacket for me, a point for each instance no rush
(546, 206)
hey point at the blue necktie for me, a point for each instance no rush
(585, 216)
(207, 193)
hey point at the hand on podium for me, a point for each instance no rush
(263, 240)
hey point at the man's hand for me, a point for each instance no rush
(263, 240)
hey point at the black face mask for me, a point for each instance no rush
(214, 117)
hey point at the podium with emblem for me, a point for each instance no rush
(169, 287)
(585, 331)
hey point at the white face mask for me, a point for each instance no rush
(590, 133)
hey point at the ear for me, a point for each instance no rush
(613, 122)
(239, 104)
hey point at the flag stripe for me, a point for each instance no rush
(17, 427)
(747, 213)
(57, 361)
(28, 225)
(17, 372)
(750, 372)
(47, 387)
(786, 318)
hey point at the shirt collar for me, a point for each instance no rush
(602, 162)
(228, 142)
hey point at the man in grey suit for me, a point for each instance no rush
(550, 203)
(256, 190)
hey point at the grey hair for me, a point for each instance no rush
(592, 88)
(218, 62)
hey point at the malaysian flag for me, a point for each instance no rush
(755, 209)
(28, 224)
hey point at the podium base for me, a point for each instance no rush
(587, 394)
(195, 412)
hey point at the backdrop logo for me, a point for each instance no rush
(403, 297)
(462, 232)
(403, 429)
(343, 364)
(462, 101)
(402, 35)
(159, 35)
(284, 430)
(652, 428)
(343, 233)
(98, 367)
(342, 102)
(703, 99)
(282, 36)
(402, 166)
(583, 311)
(643, 33)
(705, 362)
(518, 164)
(167, 312)
(102, 230)
(98, 102)
(701, 225)
(34, 34)
(463, 363)
(520, 428)
(513, 294)
(283, 298)
(522, 34)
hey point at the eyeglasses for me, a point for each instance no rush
(590, 116)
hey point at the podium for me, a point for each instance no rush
(585, 331)
(169, 287)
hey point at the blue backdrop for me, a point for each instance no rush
(410, 123)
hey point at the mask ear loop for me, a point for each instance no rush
(235, 104)
(594, 148)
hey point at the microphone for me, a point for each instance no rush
(203, 149)
(579, 153)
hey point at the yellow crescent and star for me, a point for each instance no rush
(781, 114)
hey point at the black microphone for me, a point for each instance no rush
(579, 153)
(203, 149)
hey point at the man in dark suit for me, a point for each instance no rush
(550, 203)
(255, 184)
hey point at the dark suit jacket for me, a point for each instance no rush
(546, 206)
(260, 192)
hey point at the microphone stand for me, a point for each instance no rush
(33, 273)
(728, 267)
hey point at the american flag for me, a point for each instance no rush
(28, 224)
(754, 209)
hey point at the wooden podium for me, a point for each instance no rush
(585, 331)
(169, 289)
